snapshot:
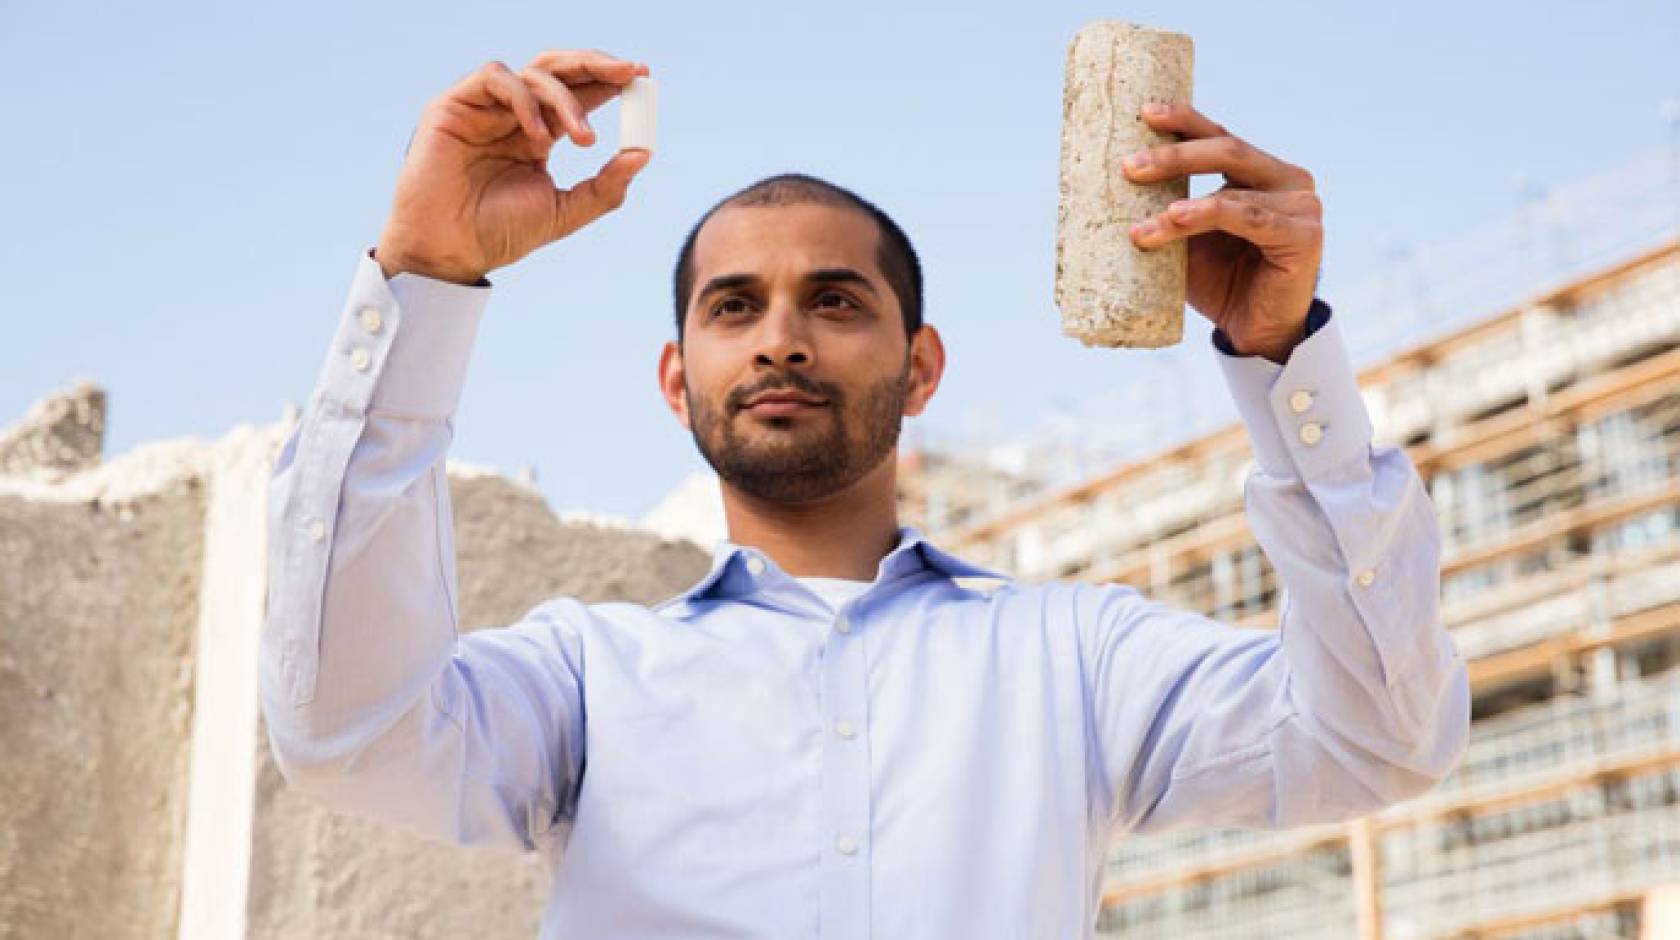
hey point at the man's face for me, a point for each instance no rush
(788, 300)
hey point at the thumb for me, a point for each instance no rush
(594, 197)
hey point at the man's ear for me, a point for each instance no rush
(671, 382)
(927, 365)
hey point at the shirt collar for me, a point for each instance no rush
(731, 574)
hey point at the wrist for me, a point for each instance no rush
(1318, 314)
(1278, 354)
(394, 261)
(1275, 350)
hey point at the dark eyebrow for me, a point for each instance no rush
(820, 276)
(726, 282)
(841, 276)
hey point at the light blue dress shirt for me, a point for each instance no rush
(929, 760)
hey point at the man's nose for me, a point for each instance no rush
(783, 339)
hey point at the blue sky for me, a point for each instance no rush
(186, 187)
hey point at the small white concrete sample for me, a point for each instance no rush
(1112, 293)
(636, 113)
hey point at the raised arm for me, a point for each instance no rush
(1360, 698)
(374, 703)
(1357, 701)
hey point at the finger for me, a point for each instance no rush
(1183, 120)
(1240, 162)
(559, 99)
(495, 85)
(594, 197)
(575, 67)
(471, 107)
(1268, 228)
(1294, 202)
(595, 94)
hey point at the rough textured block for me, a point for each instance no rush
(1111, 293)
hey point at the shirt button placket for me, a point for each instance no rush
(845, 783)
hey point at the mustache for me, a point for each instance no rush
(790, 382)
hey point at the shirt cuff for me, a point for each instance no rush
(403, 345)
(1305, 416)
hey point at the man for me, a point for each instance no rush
(827, 736)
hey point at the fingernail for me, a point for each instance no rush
(1155, 109)
(1145, 229)
(1183, 207)
(1137, 161)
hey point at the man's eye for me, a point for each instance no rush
(724, 306)
(834, 295)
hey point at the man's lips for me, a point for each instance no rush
(782, 402)
(772, 407)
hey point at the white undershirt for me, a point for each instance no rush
(836, 591)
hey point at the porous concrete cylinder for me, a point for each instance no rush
(1112, 293)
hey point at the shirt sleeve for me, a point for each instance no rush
(1360, 698)
(373, 701)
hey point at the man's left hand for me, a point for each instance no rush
(1255, 244)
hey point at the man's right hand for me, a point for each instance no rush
(474, 193)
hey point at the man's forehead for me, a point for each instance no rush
(739, 239)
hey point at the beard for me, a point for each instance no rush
(805, 457)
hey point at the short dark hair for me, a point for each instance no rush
(894, 254)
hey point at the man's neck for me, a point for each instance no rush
(843, 536)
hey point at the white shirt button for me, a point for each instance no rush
(755, 564)
(318, 530)
(847, 845)
(1366, 577)
(371, 319)
(360, 359)
(844, 625)
(844, 729)
(1300, 402)
(1311, 434)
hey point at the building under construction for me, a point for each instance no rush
(1549, 437)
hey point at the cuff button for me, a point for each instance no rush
(371, 319)
(360, 359)
(1300, 402)
(1311, 434)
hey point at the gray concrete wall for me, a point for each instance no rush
(101, 591)
(97, 610)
